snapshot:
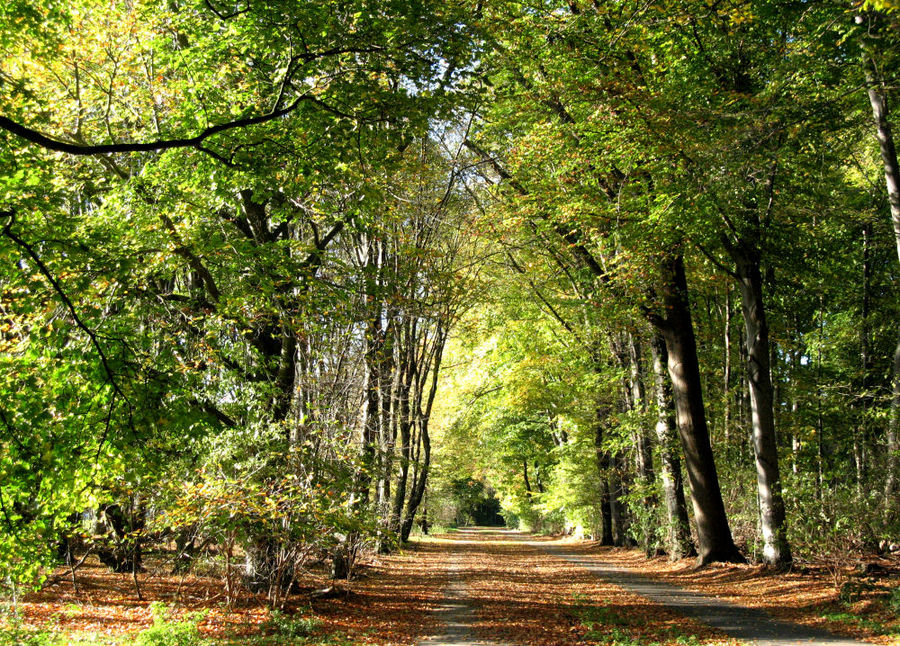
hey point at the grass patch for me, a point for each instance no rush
(298, 629)
(868, 606)
(866, 623)
(605, 625)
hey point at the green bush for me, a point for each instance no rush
(291, 626)
(166, 631)
(893, 600)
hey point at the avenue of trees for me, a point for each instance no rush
(282, 281)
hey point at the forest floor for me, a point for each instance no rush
(474, 586)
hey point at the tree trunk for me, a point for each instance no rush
(415, 496)
(678, 534)
(864, 402)
(776, 551)
(644, 446)
(727, 376)
(891, 492)
(344, 553)
(881, 115)
(424, 417)
(606, 532)
(714, 534)
(528, 492)
(618, 489)
(405, 423)
(878, 101)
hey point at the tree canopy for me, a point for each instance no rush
(298, 277)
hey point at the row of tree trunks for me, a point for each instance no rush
(676, 328)
(715, 542)
(404, 371)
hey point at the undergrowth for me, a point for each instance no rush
(298, 629)
(606, 626)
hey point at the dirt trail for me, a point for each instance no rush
(513, 588)
(752, 625)
(507, 589)
(457, 613)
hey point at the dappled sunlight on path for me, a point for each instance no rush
(508, 590)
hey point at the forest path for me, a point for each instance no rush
(508, 587)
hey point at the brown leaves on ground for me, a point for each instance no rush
(799, 596)
(522, 594)
(390, 604)
(525, 595)
(106, 603)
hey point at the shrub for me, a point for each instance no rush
(166, 631)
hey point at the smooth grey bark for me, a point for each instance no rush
(881, 115)
(643, 442)
(644, 453)
(388, 374)
(878, 100)
(773, 524)
(404, 421)
(678, 533)
(344, 553)
(676, 327)
(618, 512)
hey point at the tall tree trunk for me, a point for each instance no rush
(891, 492)
(602, 457)
(644, 452)
(285, 376)
(864, 403)
(880, 113)
(619, 475)
(678, 534)
(643, 444)
(424, 417)
(528, 492)
(727, 376)
(618, 490)
(878, 100)
(745, 406)
(776, 551)
(391, 375)
(714, 534)
(344, 553)
(405, 425)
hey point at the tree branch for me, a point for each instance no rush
(42, 267)
(195, 142)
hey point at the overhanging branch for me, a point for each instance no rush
(42, 140)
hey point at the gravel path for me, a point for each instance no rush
(457, 614)
(746, 624)
(475, 553)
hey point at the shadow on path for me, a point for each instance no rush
(747, 624)
(457, 612)
(505, 589)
